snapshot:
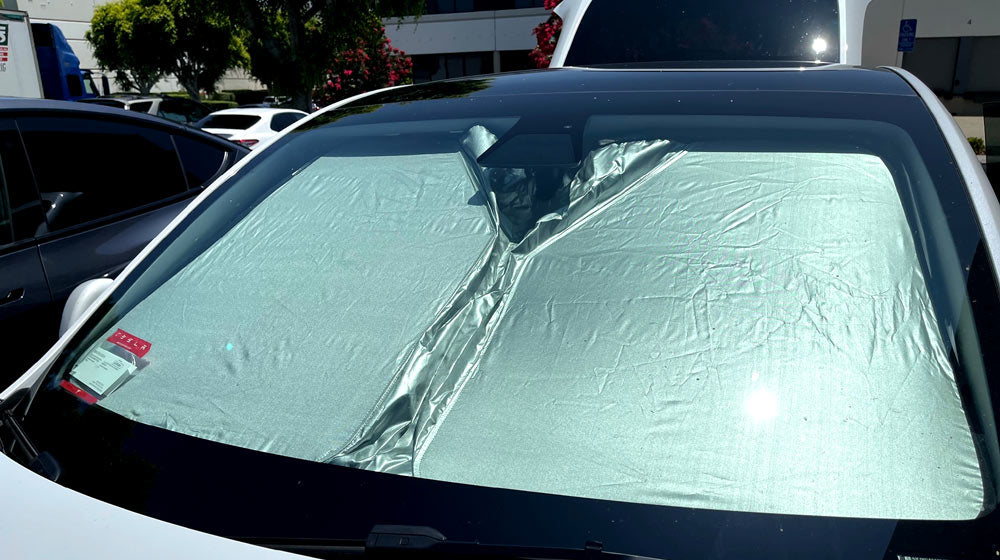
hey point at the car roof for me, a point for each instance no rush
(18, 104)
(257, 111)
(828, 79)
(123, 99)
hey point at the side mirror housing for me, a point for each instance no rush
(80, 299)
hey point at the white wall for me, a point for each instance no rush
(71, 16)
(503, 30)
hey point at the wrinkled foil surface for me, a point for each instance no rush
(744, 331)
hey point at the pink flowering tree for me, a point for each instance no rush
(547, 33)
(374, 63)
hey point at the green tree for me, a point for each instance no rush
(373, 64)
(547, 34)
(144, 40)
(291, 42)
(206, 44)
(134, 41)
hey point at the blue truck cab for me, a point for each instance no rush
(59, 66)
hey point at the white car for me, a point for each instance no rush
(176, 109)
(558, 315)
(605, 34)
(249, 126)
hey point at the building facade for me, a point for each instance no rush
(957, 50)
(466, 37)
(72, 17)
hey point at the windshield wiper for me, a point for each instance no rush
(19, 445)
(418, 542)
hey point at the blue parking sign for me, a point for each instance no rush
(907, 34)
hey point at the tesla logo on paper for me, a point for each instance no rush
(132, 343)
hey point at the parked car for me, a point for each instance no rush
(686, 314)
(249, 126)
(574, 314)
(695, 33)
(176, 109)
(84, 188)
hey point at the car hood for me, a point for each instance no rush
(36, 507)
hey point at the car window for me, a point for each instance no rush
(688, 310)
(706, 31)
(21, 217)
(87, 169)
(182, 111)
(237, 122)
(74, 85)
(89, 87)
(281, 121)
(140, 106)
(202, 160)
(173, 110)
(195, 111)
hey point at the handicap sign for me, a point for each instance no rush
(907, 34)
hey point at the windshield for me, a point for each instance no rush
(765, 311)
(236, 122)
(706, 32)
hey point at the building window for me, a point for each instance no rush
(511, 61)
(428, 67)
(458, 6)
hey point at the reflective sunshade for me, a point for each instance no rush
(580, 295)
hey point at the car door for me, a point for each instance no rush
(27, 315)
(109, 186)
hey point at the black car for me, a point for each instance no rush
(83, 188)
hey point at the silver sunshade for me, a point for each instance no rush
(742, 331)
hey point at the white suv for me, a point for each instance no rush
(249, 126)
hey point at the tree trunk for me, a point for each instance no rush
(302, 101)
(145, 86)
(192, 90)
(301, 97)
(187, 76)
